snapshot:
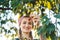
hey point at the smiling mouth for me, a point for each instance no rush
(35, 21)
(27, 28)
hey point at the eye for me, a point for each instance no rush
(29, 23)
(24, 22)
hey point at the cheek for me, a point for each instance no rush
(30, 27)
(22, 26)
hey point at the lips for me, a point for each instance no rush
(27, 28)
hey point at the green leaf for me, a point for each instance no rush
(1, 0)
(5, 30)
(57, 16)
(45, 20)
(9, 31)
(41, 30)
(53, 36)
(25, 1)
(3, 22)
(50, 28)
(4, 3)
(14, 3)
(59, 23)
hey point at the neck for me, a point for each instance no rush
(25, 34)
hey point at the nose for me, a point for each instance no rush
(27, 25)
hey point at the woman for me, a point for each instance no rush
(25, 26)
(36, 22)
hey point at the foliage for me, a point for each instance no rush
(47, 28)
(28, 6)
(57, 16)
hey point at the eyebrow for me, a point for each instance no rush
(29, 19)
(35, 18)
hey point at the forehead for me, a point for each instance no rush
(27, 19)
(37, 17)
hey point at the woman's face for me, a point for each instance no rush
(26, 24)
(36, 20)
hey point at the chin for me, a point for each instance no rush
(27, 31)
